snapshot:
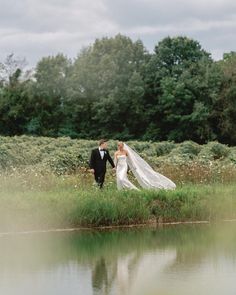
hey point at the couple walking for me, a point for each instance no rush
(125, 158)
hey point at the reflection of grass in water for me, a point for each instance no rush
(34, 201)
(191, 243)
(103, 253)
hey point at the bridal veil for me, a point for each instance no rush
(145, 175)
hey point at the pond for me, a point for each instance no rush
(183, 259)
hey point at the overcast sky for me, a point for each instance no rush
(36, 28)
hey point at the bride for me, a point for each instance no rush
(147, 178)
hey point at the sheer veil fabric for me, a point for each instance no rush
(145, 175)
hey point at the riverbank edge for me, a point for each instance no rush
(150, 224)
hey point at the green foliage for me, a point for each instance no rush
(225, 104)
(164, 148)
(115, 88)
(188, 148)
(215, 151)
(179, 76)
(187, 162)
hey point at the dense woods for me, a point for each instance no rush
(115, 88)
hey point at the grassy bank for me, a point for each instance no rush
(44, 183)
(68, 201)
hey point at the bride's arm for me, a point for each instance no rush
(115, 159)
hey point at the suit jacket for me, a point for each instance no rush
(99, 164)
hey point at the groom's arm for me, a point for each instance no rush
(110, 160)
(91, 161)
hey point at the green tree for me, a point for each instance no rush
(14, 105)
(179, 91)
(48, 95)
(225, 105)
(101, 87)
(9, 67)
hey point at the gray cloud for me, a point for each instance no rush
(158, 12)
(36, 28)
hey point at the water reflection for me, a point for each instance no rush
(169, 260)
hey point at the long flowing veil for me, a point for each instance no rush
(145, 175)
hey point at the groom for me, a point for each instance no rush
(98, 161)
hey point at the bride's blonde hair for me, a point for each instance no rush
(120, 143)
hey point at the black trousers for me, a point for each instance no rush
(100, 177)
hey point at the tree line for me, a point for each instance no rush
(115, 88)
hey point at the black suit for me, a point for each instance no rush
(99, 165)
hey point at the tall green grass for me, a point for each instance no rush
(71, 201)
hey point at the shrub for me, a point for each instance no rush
(164, 148)
(214, 151)
(184, 162)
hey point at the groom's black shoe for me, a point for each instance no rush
(100, 180)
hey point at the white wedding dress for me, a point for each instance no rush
(143, 172)
(121, 173)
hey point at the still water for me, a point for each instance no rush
(183, 259)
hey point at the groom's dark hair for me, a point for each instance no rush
(102, 141)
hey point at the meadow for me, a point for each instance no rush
(45, 183)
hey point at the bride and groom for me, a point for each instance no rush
(125, 158)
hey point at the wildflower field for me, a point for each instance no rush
(187, 162)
